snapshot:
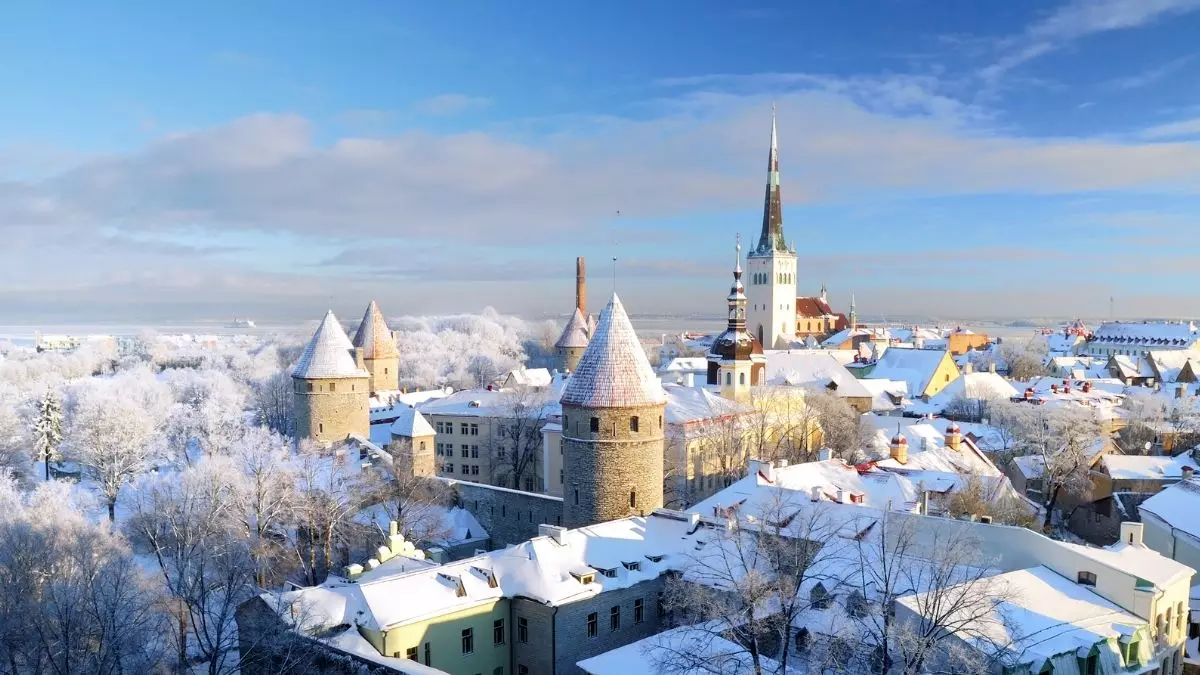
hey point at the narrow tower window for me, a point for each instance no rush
(632, 498)
(728, 378)
(595, 425)
(633, 423)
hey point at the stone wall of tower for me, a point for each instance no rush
(601, 469)
(385, 373)
(329, 410)
(771, 298)
(568, 357)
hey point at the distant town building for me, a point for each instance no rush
(1135, 339)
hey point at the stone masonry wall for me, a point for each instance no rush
(603, 470)
(571, 640)
(381, 380)
(326, 416)
(569, 357)
(510, 516)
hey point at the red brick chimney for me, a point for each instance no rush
(581, 286)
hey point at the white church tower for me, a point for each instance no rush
(771, 268)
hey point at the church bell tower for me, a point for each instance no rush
(771, 268)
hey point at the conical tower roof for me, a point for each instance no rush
(328, 354)
(374, 337)
(614, 371)
(575, 334)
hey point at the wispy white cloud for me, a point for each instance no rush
(1149, 76)
(1180, 129)
(1075, 20)
(449, 104)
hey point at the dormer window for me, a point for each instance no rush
(632, 565)
(819, 597)
(1086, 579)
(654, 558)
(584, 575)
(610, 572)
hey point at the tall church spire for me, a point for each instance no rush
(737, 294)
(772, 227)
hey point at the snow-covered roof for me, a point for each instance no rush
(686, 364)
(575, 334)
(1163, 333)
(914, 366)
(1144, 467)
(1133, 366)
(644, 656)
(815, 369)
(1042, 615)
(614, 371)
(410, 423)
(1138, 561)
(886, 395)
(374, 337)
(528, 377)
(494, 402)
(1177, 506)
(328, 354)
(694, 404)
(1168, 363)
(756, 492)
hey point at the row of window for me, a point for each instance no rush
(467, 469)
(464, 428)
(447, 450)
(614, 616)
(635, 424)
(764, 278)
(330, 387)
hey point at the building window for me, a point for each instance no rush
(594, 425)
(576, 496)
(660, 422)
(522, 630)
(498, 632)
(614, 618)
(522, 670)
(321, 427)
(466, 470)
(468, 640)
(422, 445)
(1087, 578)
(593, 624)
(411, 654)
(639, 610)
(633, 423)
(465, 451)
(474, 469)
(474, 429)
(310, 386)
(742, 379)
(428, 655)
(474, 452)
(728, 378)
(463, 428)
(632, 498)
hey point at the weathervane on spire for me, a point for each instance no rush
(737, 259)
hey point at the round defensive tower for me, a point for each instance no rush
(331, 387)
(612, 418)
(380, 356)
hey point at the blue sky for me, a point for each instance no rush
(276, 158)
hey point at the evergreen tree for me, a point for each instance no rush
(48, 430)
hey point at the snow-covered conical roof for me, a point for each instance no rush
(374, 337)
(614, 371)
(328, 354)
(575, 334)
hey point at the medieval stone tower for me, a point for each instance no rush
(574, 338)
(736, 361)
(380, 356)
(771, 268)
(612, 418)
(330, 387)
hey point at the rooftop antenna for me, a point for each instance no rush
(614, 279)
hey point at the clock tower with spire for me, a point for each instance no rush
(771, 268)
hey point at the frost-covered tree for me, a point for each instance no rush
(417, 503)
(1145, 418)
(273, 402)
(268, 500)
(113, 436)
(438, 351)
(1025, 360)
(48, 430)
(190, 523)
(209, 412)
(524, 411)
(331, 492)
(14, 442)
(72, 597)
(1063, 440)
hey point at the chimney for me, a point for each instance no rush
(1187, 472)
(1087, 386)
(924, 502)
(824, 454)
(899, 448)
(815, 493)
(764, 468)
(689, 379)
(992, 367)
(968, 368)
(1131, 533)
(1181, 389)
(841, 496)
(1029, 393)
(953, 436)
(553, 531)
(581, 286)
